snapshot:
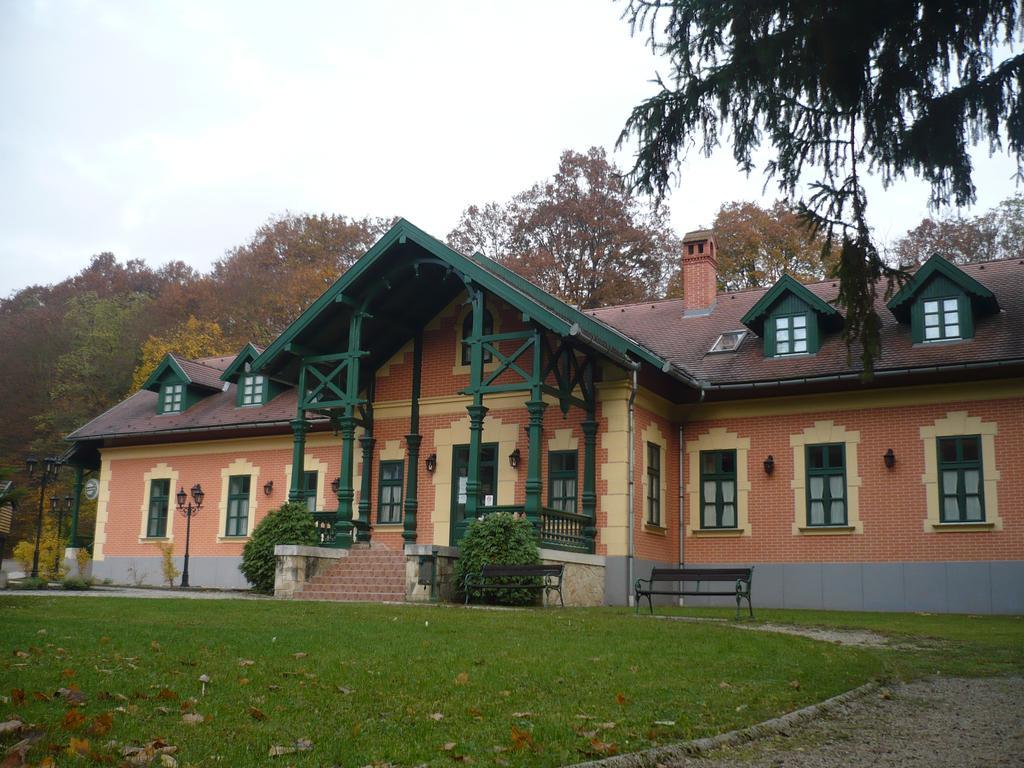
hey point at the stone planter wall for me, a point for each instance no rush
(297, 564)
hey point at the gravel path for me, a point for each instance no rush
(864, 638)
(937, 723)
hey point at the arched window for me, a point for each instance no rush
(467, 331)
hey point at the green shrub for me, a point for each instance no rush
(498, 539)
(29, 583)
(76, 583)
(290, 524)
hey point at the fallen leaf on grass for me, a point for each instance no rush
(166, 761)
(620, 698)
(21, 654)
(524, 714)
(436, 716)
(521, 738)
(166, 694)
(40, 696)
(598, 747)
(101, 724)
(11, 726)
(154, 646)
(741, 707)
(17, 696)
(69, 673)
(78, 747)
(664, 722)
(192, 718)
(245, 662)
(462, 678)
(448, 746)
(606, 726)
(475, 712)
(256, 714)
(164, 710)
(71, 694)
(300, 655)
(795, 684)
(343, 690)
(72, 720)
(724, 685)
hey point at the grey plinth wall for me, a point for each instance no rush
(966, 587)
(297, 564)
(208, 572)
(582, 580)
(441, 587)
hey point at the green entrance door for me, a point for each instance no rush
(460, 475)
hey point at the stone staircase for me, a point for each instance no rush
(371, 574)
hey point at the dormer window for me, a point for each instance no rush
(791, 335)
(791, 319)
(253, 389)
(171, 398)
(941, 319)
(941, 302)
(729, 341)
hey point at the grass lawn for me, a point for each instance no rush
(406, 685)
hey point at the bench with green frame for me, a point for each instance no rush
(544, 578)
(740, 577)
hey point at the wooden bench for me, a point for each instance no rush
(742, 578)
(544, 578)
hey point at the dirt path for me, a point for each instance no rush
(938, 723)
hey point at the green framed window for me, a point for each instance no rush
(467, 331)
(159, 503)
(961, 490)
(790, 334)
(654, 484)
(826, 484)
(941, 318)
(718, 489)
(172, 397)
(309, 487)
(238, 506)
(563, 480)
(389, 496)
(252, 389)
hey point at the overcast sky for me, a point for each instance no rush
(172, 130)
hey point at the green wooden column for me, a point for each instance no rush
(477, 411)
(343, 527)
(589, 495)
(534, 484)
(299, 429)
(366, 442)
(410, 504)
(76, 500)
(476, 429)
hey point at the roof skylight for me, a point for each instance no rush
(728, 342)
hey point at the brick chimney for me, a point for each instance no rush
(700, 272)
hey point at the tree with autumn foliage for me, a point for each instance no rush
(998, 233)
(258, 288)
(582, 235)
(191, 339)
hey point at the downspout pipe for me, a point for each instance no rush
(630, 430)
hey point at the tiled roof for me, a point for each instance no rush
(686, 341)
(201, 374)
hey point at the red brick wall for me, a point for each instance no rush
(892, 502)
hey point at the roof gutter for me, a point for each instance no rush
(888, 373)
(190, 430)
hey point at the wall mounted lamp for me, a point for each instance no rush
(890, 459)
(513, 458)
(268, 487)
(335, 485)
(431, 463)
(769, 464)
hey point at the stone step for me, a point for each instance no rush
(348, 597)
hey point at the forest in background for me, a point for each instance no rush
(72, 349)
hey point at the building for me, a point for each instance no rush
(723, 428)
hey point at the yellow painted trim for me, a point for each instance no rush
(396, 359)
(495, 431)
(656, 404)
(240, 466)
(719, 439)
(310, 463)
(161, 471)
(825, 432)
(830, 530)
(563, 440)
(464, 370)
(653, 435)
(102, 510)
(953, 424)
(393, 450)
(614, 400)
(998, 389)
(716, 533)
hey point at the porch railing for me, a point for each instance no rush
(555, 529)
(325, 527)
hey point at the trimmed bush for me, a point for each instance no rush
(29, 583)
(290, 524)
(76, 583)
(498, 539)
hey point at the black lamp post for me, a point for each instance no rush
(51, 466)
(189, 509)
(59, 506)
